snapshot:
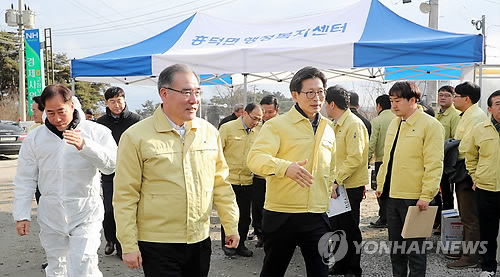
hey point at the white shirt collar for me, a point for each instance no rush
(181, 130)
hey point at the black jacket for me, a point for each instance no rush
(117, 126)
(228, 118)
(365, 121)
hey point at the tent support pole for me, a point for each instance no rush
(73, 86)
(245, 88)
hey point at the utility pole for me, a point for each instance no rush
(22, 87)
(432, 86)
(481, 25)
(21, 18)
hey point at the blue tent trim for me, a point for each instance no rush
(426, 72)
(390, 40)
(133, 60)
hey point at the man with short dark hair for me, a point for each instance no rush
(89, 115)
(354, 106)
(270, 109)
(170, 171)
(376, 147)
(37, 111)
(237, 112)
(448, 116)
(352, 147)
(295, 152)
(236, 138)
(63, 157)
(351, 139)
(118, 119)
(466, 97)
(410, 173)
(482, 159)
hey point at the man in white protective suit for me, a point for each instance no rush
(63, 157)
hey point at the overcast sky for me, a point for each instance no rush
(86, 27)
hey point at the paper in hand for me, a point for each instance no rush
(339, 205)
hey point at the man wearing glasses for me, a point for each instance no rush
(237, 137)
(171, 170)
(448, 116)
(295, 152)
(270, 109)
(466, 97)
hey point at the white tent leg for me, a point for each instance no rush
(245, 87)
(73, 86)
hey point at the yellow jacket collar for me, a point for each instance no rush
(296, 116)
(386, 111)
(162, 125)
(448, 111)
(344, 116)
(415, 116)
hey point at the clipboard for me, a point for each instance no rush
(418, 224)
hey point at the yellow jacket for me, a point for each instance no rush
(290, 138)
(236, 143)
(351, 139)
(164, 188)
(379, 129)
(449, 119)
(482, 156)
(470, 118)
(418, 158)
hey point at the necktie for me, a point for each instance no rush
(387, 183)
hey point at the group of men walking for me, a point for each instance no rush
(171, 168)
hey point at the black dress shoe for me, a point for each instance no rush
(378, 224)
(110, 248)
(229, 251)
(244, 251)
(119, 250)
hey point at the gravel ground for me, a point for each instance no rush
(22, 256)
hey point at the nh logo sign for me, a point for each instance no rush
(31, 35)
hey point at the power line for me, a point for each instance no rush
(142, 22)
(492, 2)
(89, 11)
(128, 18)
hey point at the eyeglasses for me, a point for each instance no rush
(311, 94)
(445, 95)
(459, 96)
(255, 118)
(187, 92)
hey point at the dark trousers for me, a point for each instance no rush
(446, 192)
(417, 262)
(244, 201)
(283, 232)
(175, 259)
(258, 198)
(355, 196)
(37, 195)
(488, 203)
(437, 201)
(382, 202)
(467, 206)
(109, 223)
(351, 263)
